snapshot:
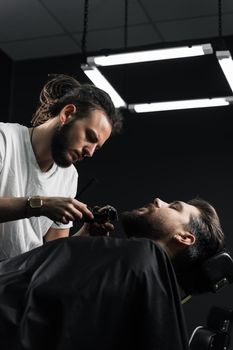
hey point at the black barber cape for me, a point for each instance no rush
(91, 293)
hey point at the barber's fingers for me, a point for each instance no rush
(84, 230)
(82, 208)
(108, 227)
(64, 209)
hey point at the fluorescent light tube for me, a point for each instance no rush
(100, 81)
(226, 63)
(185, 104)
(150, 55)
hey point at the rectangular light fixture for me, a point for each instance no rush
(94, 74)
(150, 55)
(226, 63)
(101, 82)
(183, 104)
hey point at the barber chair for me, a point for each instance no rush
(216, 334)
(215, 274)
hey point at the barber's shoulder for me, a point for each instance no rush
(8, 126)
(11, 129)
(7, 134)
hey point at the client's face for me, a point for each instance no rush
(158, 220)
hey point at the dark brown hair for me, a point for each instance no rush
(63, 89)
(209, 241)
(207, 230)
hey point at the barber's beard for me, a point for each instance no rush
(60, 145)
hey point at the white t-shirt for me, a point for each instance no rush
(20, 176)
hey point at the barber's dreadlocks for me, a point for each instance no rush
(63, 89)
(56, 88)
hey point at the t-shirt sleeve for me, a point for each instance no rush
(60, 226)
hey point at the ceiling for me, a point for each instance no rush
(46, 28)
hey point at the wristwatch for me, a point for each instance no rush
(34, 205)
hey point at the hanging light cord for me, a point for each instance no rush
(126, 25)
(85, 26)
(220, 18)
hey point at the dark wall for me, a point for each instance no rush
(6, 70)
(31, 75)
(171, 155)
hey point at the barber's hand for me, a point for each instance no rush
(95, 229)
(63, 209)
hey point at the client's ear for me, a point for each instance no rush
(185, 238)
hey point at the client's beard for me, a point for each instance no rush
(60, 145)
(136, 225)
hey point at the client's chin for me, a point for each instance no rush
(135, 225)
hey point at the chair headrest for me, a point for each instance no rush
(218, 271)
(213, 274)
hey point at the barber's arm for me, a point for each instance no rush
(56, 233)
(60, 209)
(63, 209)
(12, 208)
(86, 230)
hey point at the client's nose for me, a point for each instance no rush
(159, 203)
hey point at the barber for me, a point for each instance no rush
(38, 179)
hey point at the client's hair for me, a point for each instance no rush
(209, 241)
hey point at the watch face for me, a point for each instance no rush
(35, 202)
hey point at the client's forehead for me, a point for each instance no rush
(190, 209)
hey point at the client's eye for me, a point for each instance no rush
(91, 136)
(175, 205)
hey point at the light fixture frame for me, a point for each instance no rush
(226, 63)
(181, 104)
(150, 55)
(100, 81)
(93, 62)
